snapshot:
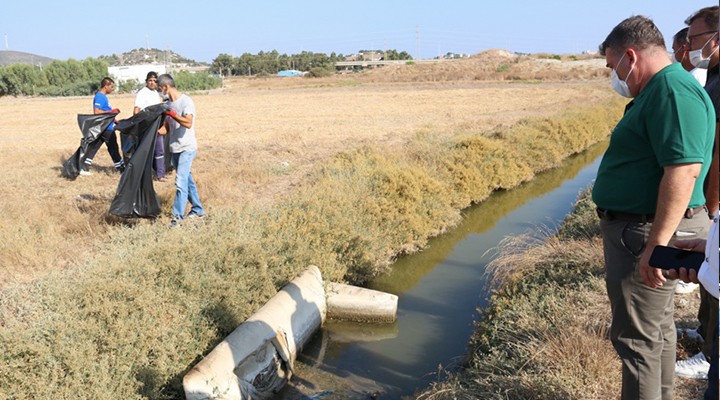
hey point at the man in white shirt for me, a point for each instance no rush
(680, 54)
(708, 277)
(149, 96)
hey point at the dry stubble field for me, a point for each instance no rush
(258, 138)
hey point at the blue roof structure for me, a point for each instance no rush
(290, 72)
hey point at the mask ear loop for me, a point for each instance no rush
(717, 42)
(684, 54)
(708, 41)
(631, 68)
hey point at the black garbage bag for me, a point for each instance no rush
(135, 196)
(91, 126)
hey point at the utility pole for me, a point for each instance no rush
(417, 42)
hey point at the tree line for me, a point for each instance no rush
(59, 78)
(264, 63)
(80, 78)
(272, 62)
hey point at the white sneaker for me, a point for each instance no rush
(695, 367)
(685, 288)
(85, 173)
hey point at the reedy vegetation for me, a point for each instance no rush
(545, 334)
(131, 321)
(528, 344)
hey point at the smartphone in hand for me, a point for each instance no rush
(673, 258)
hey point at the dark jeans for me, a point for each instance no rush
(110, 140)
(712, 391)
(708, 317)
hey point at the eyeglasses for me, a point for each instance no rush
(690, 38)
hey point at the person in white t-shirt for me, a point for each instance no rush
(708, 276)
(146, 97)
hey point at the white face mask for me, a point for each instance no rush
(674, 58)
(618, 84)
(696, 57)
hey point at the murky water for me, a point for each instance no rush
(439, 291)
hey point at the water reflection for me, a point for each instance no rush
(407, 271)
(439, 290)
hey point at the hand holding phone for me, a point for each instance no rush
(673, 258)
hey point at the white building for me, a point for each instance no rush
(134, 72)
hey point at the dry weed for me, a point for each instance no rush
(545, 334)
(302, 175)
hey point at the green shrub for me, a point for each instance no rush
(59, 78)
(319, 72)
(188, 81)
(502, 67)
(129, 86)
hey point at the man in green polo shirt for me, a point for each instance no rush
(649, 190)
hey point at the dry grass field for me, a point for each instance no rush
(344, 172)
(258, 139)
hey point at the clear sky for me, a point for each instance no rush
(201, 30)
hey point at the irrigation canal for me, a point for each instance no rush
(439, 292)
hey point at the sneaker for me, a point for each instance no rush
(85, 172)
(174, 223)
(695, 367)
(194, 215)
(690, 333)
(685, 288)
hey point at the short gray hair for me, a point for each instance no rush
(637, 31)
(165, 79)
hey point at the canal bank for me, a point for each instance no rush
(439, 291)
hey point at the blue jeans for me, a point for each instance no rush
(185, 189)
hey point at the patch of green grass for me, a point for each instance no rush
(502, 68)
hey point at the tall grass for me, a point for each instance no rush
(543, 336)
(129, 322)
(545, 333)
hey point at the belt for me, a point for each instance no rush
(621, 216)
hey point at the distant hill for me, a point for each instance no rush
(8, 57)
(496, 64)
(146, 56)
